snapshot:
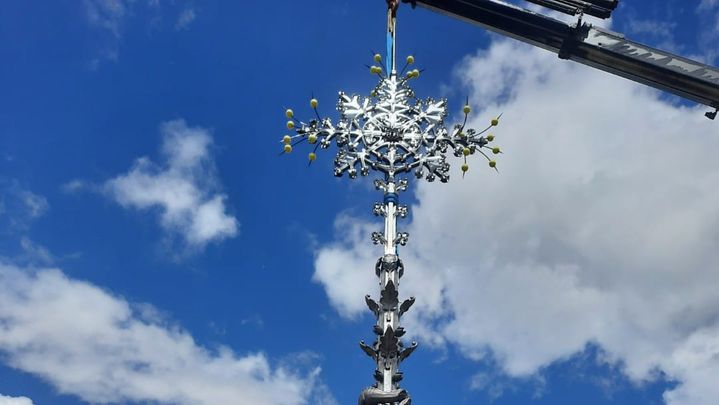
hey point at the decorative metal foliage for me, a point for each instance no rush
(392, 132)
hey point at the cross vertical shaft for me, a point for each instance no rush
(391, 65)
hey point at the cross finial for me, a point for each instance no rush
(392, 133)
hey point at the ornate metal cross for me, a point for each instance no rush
(393, 133)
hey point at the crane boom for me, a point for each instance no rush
(592, 46)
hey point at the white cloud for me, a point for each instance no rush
(708, 4)
(6, 400)
(36, 204)
(708, 11)
(35, 253)
(19, 206)
(183, 188)
(186, 17)
(97, 346)
(329, 266)
(601, 228)
(661, 33)
(107, 14)
(75, 186)
(110, 17)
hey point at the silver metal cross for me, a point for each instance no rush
(394, 133)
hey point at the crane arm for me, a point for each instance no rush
(592, 46)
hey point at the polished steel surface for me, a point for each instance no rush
(391, 133)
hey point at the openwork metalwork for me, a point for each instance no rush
(390, 132)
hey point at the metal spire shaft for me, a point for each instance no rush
(389, 270)
(391, 64)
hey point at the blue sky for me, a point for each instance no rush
(155, 248)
